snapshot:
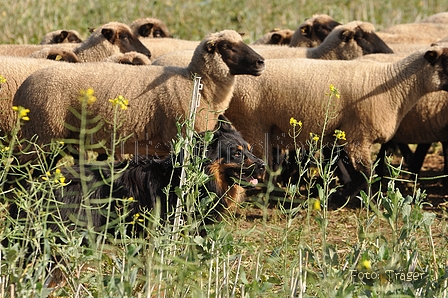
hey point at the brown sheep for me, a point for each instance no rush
(277, 37)
(157, 95)
(130, 58)
(423, 33)
(313, 31)
(150, 28)
(61, 36)
(109, 39)
(56, 53)
(374, 97)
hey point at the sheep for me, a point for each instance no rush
(150, 28)
(15, 70)
(276, 36)
(157, 95)
(345, 42)
(423, 33)
(131, 58)
(55, 53)
(61, 36)
(374, 99)
(109, 39)
(162, 46)
(439, 18)
(313, 31)
(424, 124)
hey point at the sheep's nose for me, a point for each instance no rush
(260, 62)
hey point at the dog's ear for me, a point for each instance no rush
(224, 124)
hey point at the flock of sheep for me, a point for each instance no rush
(392, 85)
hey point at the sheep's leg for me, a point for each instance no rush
(445, 158)
(358, 166)
(419, 157)
(406, 152)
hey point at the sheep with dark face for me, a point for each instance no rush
(109, 39)
(150, 28)
(277, 37)
(157, 95)
(365, 91)
(61, 36)
(313, 31)
(57, 54)
(130, 58)
(345, 42)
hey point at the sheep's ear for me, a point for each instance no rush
(109, 34)
(210, 46)
(145, 29)
(347, 35)
(63, 35)
(432, 56)
(91, 30)
(305, 30)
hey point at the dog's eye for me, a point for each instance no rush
(238, 154)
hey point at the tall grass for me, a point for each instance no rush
(26, 21)
(288, 251)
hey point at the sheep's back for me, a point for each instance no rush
(50, 92)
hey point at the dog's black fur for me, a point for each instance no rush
(230, 164)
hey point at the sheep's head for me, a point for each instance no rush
(438, 57)
(369, 41)
(61, 36)
(150, 27)
(62, 55)
(120, 35)
(238, 56)
(313, 31)
(276, 36)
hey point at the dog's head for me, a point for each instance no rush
(231, 159)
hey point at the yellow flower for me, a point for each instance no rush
(122, 102)
(366, 264)
(131, 199)
(314, 137)
(334, 91)
(2, 79)
(4, 149)
(87, 96)
(339, 134)
(316, 205)
(22, 112)
(62, 180)
(57, 171)
(294, 122)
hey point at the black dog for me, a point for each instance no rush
(228, 161)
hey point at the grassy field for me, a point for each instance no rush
(293, 245)
(26, 21)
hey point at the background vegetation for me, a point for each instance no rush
(294, 248)
(26, 21)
